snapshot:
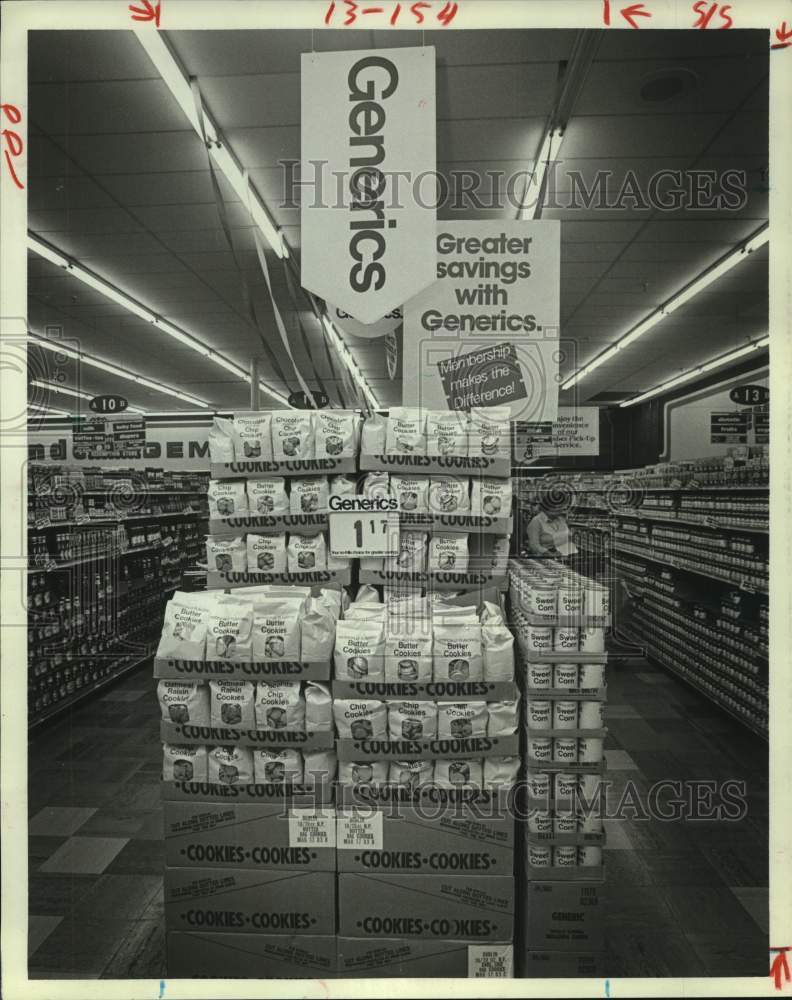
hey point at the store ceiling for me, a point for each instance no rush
(119, 180)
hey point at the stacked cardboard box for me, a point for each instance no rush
(560, 619)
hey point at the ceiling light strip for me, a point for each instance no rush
(115, 294)
(534, 188)
(177, 81)
(684, 295)
(58, 347)
(723, 359)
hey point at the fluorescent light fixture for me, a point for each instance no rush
(685, 294)
(56, 347)
(723, 359)
(115, 294)
(344, 353)
(548, 151)
(174, 78)
(48, 411)
(57, 387)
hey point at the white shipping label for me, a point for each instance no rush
(312, 828)
(360, 830)
(490, 961)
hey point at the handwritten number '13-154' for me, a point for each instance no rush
(12, 141)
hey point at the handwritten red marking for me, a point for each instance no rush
(447, 14)
(330, 12)
(373, 10)
(12, 141)
(779, 966)
(352, 9)
(417, 10)
(146, 12)
(784, 36)
(606, 13)
(633, 11)
(395, 14)
(705, 16)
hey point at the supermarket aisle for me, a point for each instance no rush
(683, 899)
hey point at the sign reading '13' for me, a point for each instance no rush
(368, 163)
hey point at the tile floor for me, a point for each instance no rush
(682, 898)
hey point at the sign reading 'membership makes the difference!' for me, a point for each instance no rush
(486, 332)
(368, 186)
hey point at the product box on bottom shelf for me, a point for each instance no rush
(439, 907)
(563, 916)
(229, 834)
(244, 901)
(381, 958)
(251, 956)
(408, 839)
(561, 964)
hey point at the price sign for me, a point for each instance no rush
(363, 527)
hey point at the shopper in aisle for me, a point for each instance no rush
(548, 533)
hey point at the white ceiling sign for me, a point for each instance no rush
(368, 137)
(367, 331)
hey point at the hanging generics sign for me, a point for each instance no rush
(368, 166)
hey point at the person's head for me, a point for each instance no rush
(550, 509)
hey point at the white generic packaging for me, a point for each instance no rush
(448, 553)
(230, 631)
(412, 720)
(184, 628)
(306, 553)
(280, 706)
(227, 498)
(232, 704)
(359, 650)
(490, 432)
(336, 434)
(449, 495)
(276, 627)
(267, 496)
(412, 492)
(184, 763)
(266, 553)
(360, 720)
(252, 437)
(412, 553)
(184, 701)
(271, 767)
(372, 772)
(458, 773)
(309, 495)
(292, 435)
(457, 653)
(491, 497)
(230, 765)
(461, 720)
(408, 653)
(221, 441)
(446, 433)
(226, 555)
(406, 432)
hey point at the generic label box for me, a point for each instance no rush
(456, 907)
(384, 958)
(563, 916)
(230, 834)
(251, 956)
(239, 900)
(404, 839)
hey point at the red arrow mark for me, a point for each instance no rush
(146, 12)
(780, 967)
(783, 34)
(634, 10)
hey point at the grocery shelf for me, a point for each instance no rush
(688, 566)
(91, 521)
(704, 522)
(71, 563)
(84, 692)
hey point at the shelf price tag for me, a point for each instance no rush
(363, 527)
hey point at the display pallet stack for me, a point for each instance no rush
(250, 878)
(425, 836)
(102, 564)
(560, 619)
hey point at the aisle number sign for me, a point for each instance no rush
(368, 141)
(364, 527)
